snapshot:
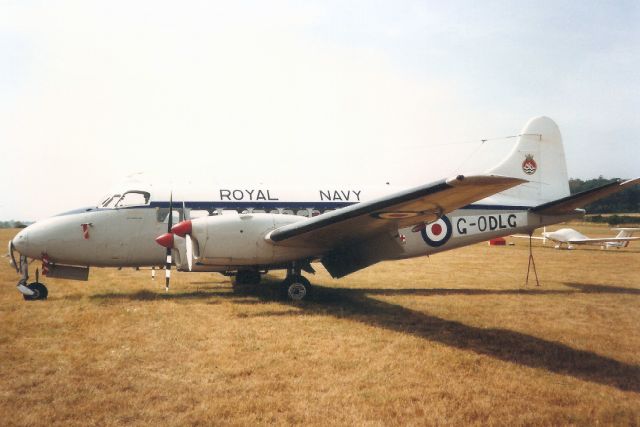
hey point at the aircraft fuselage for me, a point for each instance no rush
(125, 236)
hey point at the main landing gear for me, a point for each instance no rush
(33, 291)
(296, 287)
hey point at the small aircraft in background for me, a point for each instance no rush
(570, 237)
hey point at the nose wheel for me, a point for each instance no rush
(39, 292)
(33, 291)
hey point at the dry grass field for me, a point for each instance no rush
(455, 339)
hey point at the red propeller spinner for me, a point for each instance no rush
(165, 240)
(182, 228)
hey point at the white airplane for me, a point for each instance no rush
(247, 231)
(570, 237)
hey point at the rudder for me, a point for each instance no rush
(538, 156)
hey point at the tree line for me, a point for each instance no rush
(13, 224)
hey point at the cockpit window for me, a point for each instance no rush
(133, 198)
(129, 198)
(110, 201)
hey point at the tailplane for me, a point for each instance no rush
(625, 232)
(538, 156)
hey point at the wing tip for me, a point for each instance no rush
(631, 181)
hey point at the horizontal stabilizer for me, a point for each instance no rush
(568, 204)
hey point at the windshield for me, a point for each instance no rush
(129, 198)
(110, 201)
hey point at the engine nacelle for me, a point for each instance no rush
(236, 240)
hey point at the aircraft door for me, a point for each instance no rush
(153, 223)
(124, 244)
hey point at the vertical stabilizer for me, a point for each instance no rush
(538, 156)
(625, 232)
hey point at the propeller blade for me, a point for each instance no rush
(169, 248)
(188, 242)
(170, 222)
(189, 245)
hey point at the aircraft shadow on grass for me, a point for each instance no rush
(502, 344)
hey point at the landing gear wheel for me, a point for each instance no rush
(248, 277)
(296, 288)
(40, 292)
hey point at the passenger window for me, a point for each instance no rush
(163, 215)
(303, 212)
(315, 212)
(287, 212)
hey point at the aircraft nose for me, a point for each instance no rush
(21, 241)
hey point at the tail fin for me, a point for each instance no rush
(625, 232)
(538, 156)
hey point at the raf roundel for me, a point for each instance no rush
(437, 233)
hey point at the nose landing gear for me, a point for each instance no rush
(33, 291)
(39, 292)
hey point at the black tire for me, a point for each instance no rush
(296, 288)
(40, 292)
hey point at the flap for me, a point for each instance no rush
(386, 214)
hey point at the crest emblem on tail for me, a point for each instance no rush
(529, 166)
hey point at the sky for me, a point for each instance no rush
(289, 92)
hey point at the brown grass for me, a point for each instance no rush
(449, 340)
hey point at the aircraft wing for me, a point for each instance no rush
(362, 221)
(567, 204)
(602, 240)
